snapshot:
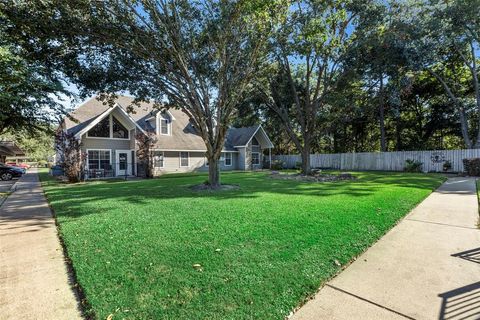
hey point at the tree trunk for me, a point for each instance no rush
(476, 88)
(306, 169)
(213, 173)
(398, 136)
(464, 128)
(458, 105)
(383, 142)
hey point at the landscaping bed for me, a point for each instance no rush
(155, 249)
(316, 176)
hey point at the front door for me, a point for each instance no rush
(123, 162)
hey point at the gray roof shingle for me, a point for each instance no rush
(184, 136)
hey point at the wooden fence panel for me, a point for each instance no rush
(432, 160)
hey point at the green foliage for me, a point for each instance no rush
(277, 165)
(29, 90)
(472, 166)
(413, 165)
(133, 251)
(70, 156)
(447, 165)
(37, 147)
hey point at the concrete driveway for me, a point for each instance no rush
(427, 267)
(34, 283)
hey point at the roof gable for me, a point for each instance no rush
(184, 136)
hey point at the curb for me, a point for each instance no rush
(12, 189)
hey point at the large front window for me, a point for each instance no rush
(101, 129)
(99, 159)
(110, 127)
(118, 130)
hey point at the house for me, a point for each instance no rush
(109, 136)
(9, 149)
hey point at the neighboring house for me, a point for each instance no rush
(108, 138)
(9, 149)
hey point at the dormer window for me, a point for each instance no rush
(165, 125)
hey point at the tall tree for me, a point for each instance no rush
(30, 93)
(309, 49)
(437, 36)
(199, 56)
(377, 56)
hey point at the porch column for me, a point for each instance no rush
(270, 157)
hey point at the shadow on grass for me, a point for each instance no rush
(252, 185)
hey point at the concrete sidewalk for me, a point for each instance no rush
(34, 282)
(427, 267)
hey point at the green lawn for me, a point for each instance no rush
(133, 244)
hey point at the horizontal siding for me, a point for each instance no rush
(113, 144)
(196, 163)
(385, 161)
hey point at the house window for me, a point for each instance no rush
(183, 159)
(165, 125)
(101, 129)
(228, 159)
(158, 159)
(255, 142)
(255, 158)
(99, 159)
(119, 131)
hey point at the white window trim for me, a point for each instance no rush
(180, 159)
(109, 150)
(110, 121)
(163, 157)
(231, 159)
(159, 126)
(256, 164)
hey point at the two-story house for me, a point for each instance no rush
(108, 139)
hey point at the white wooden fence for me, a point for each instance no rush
(385, 161)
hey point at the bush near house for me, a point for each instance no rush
(472, 166)
(413, 165)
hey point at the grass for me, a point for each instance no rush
(262, 249)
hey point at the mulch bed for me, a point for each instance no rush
(315, 177)
(207, 187)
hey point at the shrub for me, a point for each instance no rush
(277, 165)
(413, 165)
(298, 165)
(472, 166)
(71, 157)
(447, 165)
